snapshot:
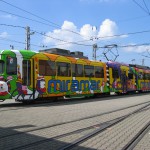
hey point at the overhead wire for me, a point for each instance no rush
(124, 34)
(147, 11)
(77, 42)
(146, 7)
(10, 45)
(9, 25)
(28, 12)
(65, 42)
(24, 17)
(131, 45)
(14, 26)
(146, 56)
(42, 33)
(5, 39)
(117, 35)
(70, 42)
(54, 24)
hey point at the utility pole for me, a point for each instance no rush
(94, 51)
(27, 38)
(142, 62)
(28, 33)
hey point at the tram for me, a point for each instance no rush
(53, 73)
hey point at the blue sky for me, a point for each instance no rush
(65, 23)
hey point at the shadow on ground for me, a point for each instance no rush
(10, 139)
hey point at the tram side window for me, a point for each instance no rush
(47, 68)
(140, 75)
(1, 66)
(99, 72)
(89, 71)
(26, 72)
(11, 65)
(77, 70)
(130, 75)
(146, 76)
(115, 73)
(63, 69)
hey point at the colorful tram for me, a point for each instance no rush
(126, 78)
(28, 75)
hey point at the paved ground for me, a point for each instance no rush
(40, 122)
(144, 144)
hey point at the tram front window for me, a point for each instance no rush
(1, 67)
(11, 67)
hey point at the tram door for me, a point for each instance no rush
(27, 80)
(124, 81)
(26, 77)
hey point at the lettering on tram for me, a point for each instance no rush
(75, 85)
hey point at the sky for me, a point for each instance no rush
(120, 28)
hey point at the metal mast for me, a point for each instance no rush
(27, 38)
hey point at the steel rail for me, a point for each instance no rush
(92, 134)
(76, 120)
(135, 140)
(102, 128)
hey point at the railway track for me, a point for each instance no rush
(136, 139)
(129, 145)
(19, 106)
(104, 115)
(81, 130)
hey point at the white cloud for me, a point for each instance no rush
(64, 34)
(4, 35)
(69, 33)
(67, 36)
(8, 17)
(86, 32)
(69, 25)
(137, 49)
(108, 28)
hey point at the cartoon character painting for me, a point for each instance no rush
(102, 86)
(115, 84)
(22, 89)
(40, 86)
(131, 85)
(5, 85)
